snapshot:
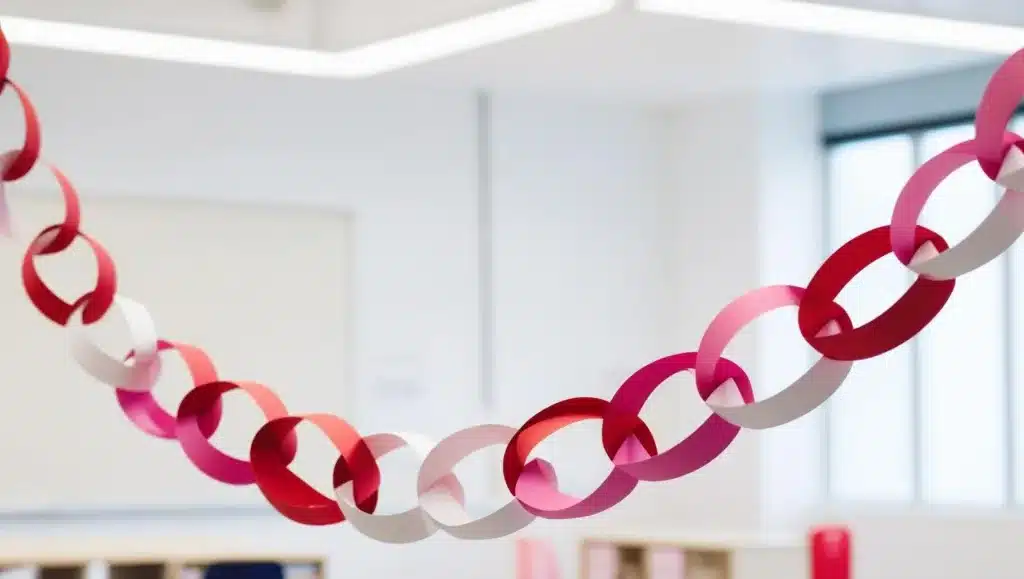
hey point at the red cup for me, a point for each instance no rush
(830, 553)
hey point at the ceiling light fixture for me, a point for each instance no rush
(434, 43)
(801, 16)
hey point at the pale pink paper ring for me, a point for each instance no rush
(408, 526)
(146, 413)
(799, 398)
(999, 103)
(996, 233)
(445, 510)
(138, 373)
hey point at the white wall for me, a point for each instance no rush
(593, 253)
(790, 242)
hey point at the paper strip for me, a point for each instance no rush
(407, 526)
(802, 396)
(996, 233)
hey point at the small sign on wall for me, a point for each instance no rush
(394, 398)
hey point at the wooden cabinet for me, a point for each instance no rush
(622, 560)
(125, 560)
(665, 558)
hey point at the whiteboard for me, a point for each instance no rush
(264, 291)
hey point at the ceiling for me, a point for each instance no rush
(988, 11)
(621, 55)
(655, 58)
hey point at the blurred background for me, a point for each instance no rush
(424, 215)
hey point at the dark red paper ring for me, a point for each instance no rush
(5, 58)
(915, 309)
(27, 156)
(538, 496)
(218, 465)
(293, 497)
(143, 410)
(704, 445)
(68, 229)
(999, 103)
(99, 300)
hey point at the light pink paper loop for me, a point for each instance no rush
(539, 494)
(1011, 172)
(138, 374)
(6, 226)
(998, 104)
(802, 396)
(408, 526)
(996, 233)
(445, 511)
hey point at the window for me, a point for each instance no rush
(931, 421)
(961, 355)
(1016, 369)
(876, 463)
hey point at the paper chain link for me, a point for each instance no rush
(627, 441)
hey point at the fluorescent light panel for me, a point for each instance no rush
(376, 58)
(843, 21)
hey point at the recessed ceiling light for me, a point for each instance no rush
(434, 43)
(852, 22)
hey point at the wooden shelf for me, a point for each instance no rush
(133, 560)
(661, 558)
(34, 570)
(654, 561)
(294, 567)
(138, 571)
(61, 572)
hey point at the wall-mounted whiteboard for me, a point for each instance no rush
(263, 290)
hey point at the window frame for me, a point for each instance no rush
(915, 131)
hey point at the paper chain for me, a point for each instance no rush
(626, 439)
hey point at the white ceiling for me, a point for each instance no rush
(622, 55)
(988, 11)
(655, 58)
